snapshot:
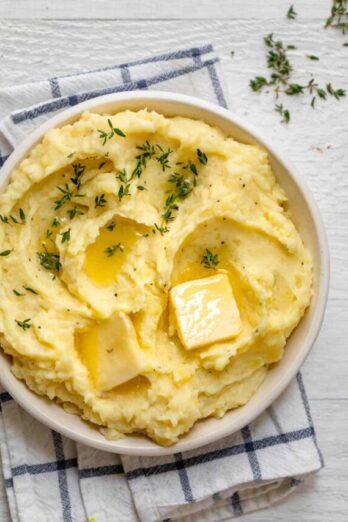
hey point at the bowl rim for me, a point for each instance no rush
(13, 385)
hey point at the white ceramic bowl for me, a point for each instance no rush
(307, 218)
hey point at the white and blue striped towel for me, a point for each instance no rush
(49, 478)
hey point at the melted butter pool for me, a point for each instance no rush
(106, 256)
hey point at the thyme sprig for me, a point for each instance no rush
(209, 259)
(163, 158)
(280, 78)
(114, 131)
(283, 112)
(15, 220)
(71, 192)
(100, 201)
(339, 16)
(65, 236)
(49, 261)
(110, 251)
(25, 325)
(291, 14)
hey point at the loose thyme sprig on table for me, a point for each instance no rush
(339, 16)
(280, 78)
(291, 14)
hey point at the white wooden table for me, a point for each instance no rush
(40, 39)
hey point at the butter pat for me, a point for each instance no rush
(111, 352)
(205, 311)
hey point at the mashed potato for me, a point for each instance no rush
(108, 228)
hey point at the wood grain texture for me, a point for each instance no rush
(159, 9)
(316, 141)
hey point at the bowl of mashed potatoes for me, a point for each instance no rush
(163, 273)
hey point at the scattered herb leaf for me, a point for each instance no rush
(110, 251)
(111, 226)
(25, 325)
(291, 14)
(114, 131)
(65, 236)
(161, 230)
(283, 112)
(202, 157)
(339, 16)
(49, 261)
(100, 201)
(209, 259)
(30, 290)
(163, 158)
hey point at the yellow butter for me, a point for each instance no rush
(205, 311)
(111, 352)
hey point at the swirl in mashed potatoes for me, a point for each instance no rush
(149, 271)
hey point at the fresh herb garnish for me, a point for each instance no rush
(312, 57)
(202, 157)
(100, 201)
(67, 192)
(279, 80)
(192, 167)
(141, 187)
(49, 261)
(65, 236)
(283, 112)
(17, 221)
(18, 294)
(31, 290)
(78, 172)
(336, 93)
(111, 226)
(209, 260)
(169, 207)
(110, 251)
(5, 253)
(55, 222)
(182, 184)
(71, 155)
(291, 14)
(161, 230)
(4, 219)
(148, 151)
(163, 158)
(25, 325)
(339, 16)
(67, 195)
(73, 212)
(114, 131)
(125, 184)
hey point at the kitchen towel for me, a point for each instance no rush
(49, 478)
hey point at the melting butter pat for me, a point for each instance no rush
(111, 352)
(205, 311)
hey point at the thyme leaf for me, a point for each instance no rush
(25, 325)
(209, 259)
